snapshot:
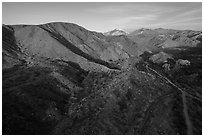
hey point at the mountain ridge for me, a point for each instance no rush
(60, 78)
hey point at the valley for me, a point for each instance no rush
(62, 79)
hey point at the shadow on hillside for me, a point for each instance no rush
(77, 51)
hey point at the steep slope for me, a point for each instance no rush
(36, 41)
(10, 50)
(90, 42)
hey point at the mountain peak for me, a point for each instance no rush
(115, 32)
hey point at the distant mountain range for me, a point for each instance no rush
(149, 39)
(74, 43)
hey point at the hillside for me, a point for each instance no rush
(60, 78)
(154, 39)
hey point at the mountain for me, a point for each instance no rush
(60, 78)
(154, 39)
(115, 32)
(67, 42)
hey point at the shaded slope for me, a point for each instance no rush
(30, 98)
(10, 50)
(35, 41)
(120, 106)
(187, 78)
(76, 50)
(93, 43)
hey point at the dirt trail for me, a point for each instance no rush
(185, 107)
(192, 96)
(185, 110)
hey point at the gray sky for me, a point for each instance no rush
(103, 17)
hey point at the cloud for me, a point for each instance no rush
(188, 13)
(140, 18)
(105, 10)
(117, 8)
(103, 16)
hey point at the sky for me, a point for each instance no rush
(103, 17)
